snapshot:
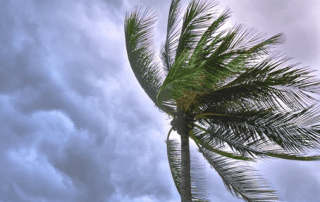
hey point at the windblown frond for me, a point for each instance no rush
(228, 55)
(198, 180)
(197, 73)
(269, 82)
(171, 43)
(202, 50)
(140, 48)
(177, 81)
(289, 130)
(197, 18)
(174, 158)
(218, 138)
(198, 188)
(240, 180)
(210, 147)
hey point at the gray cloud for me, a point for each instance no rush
(296, 181)
(75, 124)
(298, 20)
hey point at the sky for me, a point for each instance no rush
(76, 126)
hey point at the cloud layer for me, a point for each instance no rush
(75, 124)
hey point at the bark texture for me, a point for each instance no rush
(185, 169)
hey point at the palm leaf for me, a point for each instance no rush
(218, 138)
(267, 82)
(177, 85)
(198, 185)
(210, 147)
(192, 72)
(292, 131)
(239, 179)
(227, 55)
(171, 43)
(201, 51)
(198, 188)
(196, 72)
(140, 48)
(197, 17)
(174, 158)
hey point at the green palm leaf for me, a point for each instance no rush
(230, 54)
(270, 83)
(239, 179)
(208, 145)
(171, 43)
(173, 153)
(291, 130)
(140, 48)
(197, 17)
(259, 148)
(198, 188)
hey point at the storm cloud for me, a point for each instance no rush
(76, 126)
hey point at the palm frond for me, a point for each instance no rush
(292, 131)
(197, 17)
(241, 40)
(174, 158)
(267, 82)
(171, 43)
(239, 179)
(198, 70)
(260, 148)
(138, 28)
(198, 188)
(210, 147)
(177, 82)
(238, 43)
(201, 52)
(198, 181)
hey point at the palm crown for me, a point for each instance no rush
(228, 91)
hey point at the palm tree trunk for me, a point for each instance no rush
(185, 169)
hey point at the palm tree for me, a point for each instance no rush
(229, 91)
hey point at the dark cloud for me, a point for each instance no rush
(75, 124)
(80, 162)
